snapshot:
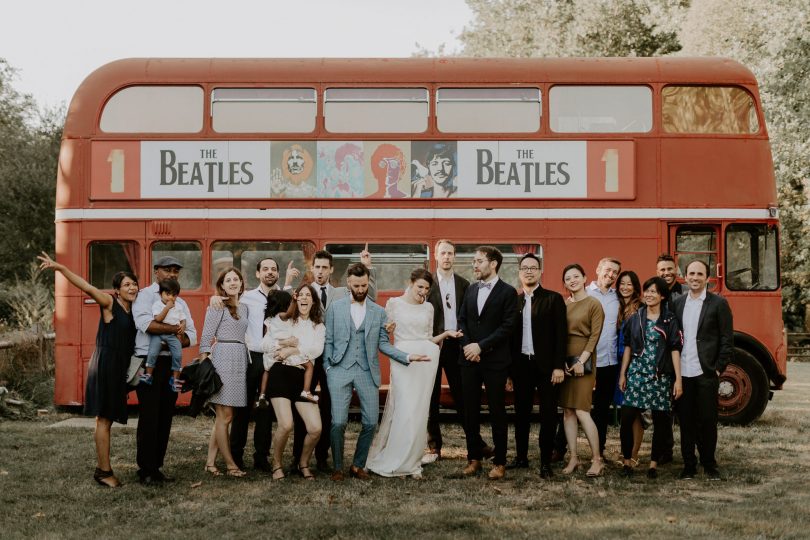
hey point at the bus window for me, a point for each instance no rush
(488, 110)
(509, 268)
(600, 109)
(188, 253)
(264, 110)
(246, 255)
(697, 242)
(393, 262)
(154, 109)
(376, 110)
(708, 109)
(108, 258)
(752, 262)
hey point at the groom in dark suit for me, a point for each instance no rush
(487, 321)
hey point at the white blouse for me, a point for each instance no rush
(310, 340)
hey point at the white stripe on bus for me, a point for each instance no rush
(92, 214)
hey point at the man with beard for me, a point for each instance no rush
(355, 331)
(666, 269)
(487, 321)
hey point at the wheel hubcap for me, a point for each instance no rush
(734, 391)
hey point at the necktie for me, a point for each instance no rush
(323, 296)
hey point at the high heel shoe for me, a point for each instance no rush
(571, 469)
(305, 473)
(106, 478)
(278, 477)
(212, 470)
(596, 470)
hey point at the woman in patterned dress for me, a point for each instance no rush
(651, 363)
(230, 358)
(106, 392)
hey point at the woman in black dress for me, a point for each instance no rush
(105, 396)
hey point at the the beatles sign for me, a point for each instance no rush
(363, 169)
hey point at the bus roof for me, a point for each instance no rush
(101, 84)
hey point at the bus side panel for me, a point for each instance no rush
(753, 315)
(719, 172)
(70, 172)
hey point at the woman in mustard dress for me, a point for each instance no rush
(585, 318)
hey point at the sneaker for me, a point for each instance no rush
(309, 397)
(176, 385)
(262, 402)
(146, 378)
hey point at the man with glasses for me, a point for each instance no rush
(538, 362)
(487, 321)
(446, 297)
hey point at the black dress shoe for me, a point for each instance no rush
(150, 480)
(712, 472)
(162, 477)
(652, 474)
(518, 463)
(261, 465)
(688, 473)
(545, 472)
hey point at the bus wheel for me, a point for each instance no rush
(743, 392)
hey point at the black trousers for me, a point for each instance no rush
(448, 361)
(473, 375)
(262, 433)
(697, 415)
(662, 432)
(325, 408)
(155, 413)
(526, 379)
(606, 378)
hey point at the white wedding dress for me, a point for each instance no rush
(401, 440)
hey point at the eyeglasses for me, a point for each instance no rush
(447, 301)
(529, 268)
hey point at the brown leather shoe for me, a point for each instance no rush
(497, 472)
(337, 476)
(473, 467)
(357, 472)
(488, 452)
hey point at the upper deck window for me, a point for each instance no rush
(376, 110)
(264, 110)
(708, 109)
(154, 109)
(488, 110)
(600, 109)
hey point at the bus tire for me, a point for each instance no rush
(744, 390)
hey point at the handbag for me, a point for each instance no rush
(587, 366)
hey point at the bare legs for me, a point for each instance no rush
(312, 420)
(570, 419)
(220, 441)
(101, 436)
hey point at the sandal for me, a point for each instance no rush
(305, 473)
(236, 473)
(212, 470)
(275, 471)
(106, 478)
(594, 472)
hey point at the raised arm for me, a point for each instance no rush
(103, 299)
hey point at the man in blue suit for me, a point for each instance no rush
(355, 331)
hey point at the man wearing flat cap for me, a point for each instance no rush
(156, 401)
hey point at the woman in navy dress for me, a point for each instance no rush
(105, 395)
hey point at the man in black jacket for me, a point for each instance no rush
(708, 347)
(446, 296)
(538, 362)
(487, 321)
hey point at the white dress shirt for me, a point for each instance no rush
(142, 313)
(690, 363)
(447, 289)
(310, 340)
(256, 302)
(484, 292)
(358, 312)
(606, 346)
(527, 346)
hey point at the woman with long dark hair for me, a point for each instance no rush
(293, 339)
(105, 395)
(230, 358)
(628, 290)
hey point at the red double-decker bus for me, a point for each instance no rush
(222, 162)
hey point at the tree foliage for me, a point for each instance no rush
(770, 38)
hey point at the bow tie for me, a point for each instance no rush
(483, 285)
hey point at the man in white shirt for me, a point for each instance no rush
(708, 333)
(607, 362)
(446, 296)
(156, 401)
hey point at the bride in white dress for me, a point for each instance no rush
(401, 440)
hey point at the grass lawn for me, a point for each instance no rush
(47, 491)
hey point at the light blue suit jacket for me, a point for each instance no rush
(339, 326)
